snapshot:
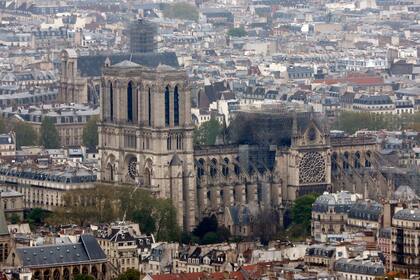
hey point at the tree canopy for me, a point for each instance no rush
(207, 133)
(207, 232)
(301, 214)
(181, 10)
(90, 133)
(130, 274)
(25, 135)
(104, 204)
(49, 137)
(351, 122)
(237, 32)
(36, 216)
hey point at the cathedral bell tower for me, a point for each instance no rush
(145, 133)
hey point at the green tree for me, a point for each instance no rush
(207, 133)
(145, 220)
(207, 224)
(302, 212)
(104, 204)
(25, 135)
(351, 122)
(50, 138)
(83, 277)
(90, 133)
(167, 228)
(210, 238)
(181, 10)
(237, 32)
(14, 218)
(130, 274)
(37, 216)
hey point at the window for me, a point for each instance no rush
(111, 102)
(168, 143)
(167, 106)
(149, 107)
(176, 106)
(130, 102)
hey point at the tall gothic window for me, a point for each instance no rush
(176, 106)
(167, 106)
(130, 102)
(149, 107)
(111, 102)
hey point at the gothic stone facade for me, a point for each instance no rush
(146, 140)
(146, 133)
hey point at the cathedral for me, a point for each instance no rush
(146, 139)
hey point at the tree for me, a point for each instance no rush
(208, 232)
(167, 228)
(90, 133)
(207, 133)
(14, 218)
(50, 138)
(130, 274)
(237, 32)
(351, 122)
(181, 10)
(83, 277)
(302, 212)
(145, 220)
(264, 225)
(25, 135)
(105, 204)
(207, 224)
(210, 238)
(37, 216)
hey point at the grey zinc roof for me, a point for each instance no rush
(373, 99)
(91, 65)
(85, 251)
(125, 64)
(408, 215)
(360, 267)
(365, 210)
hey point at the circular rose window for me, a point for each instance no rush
(312, 168)
(132, 168)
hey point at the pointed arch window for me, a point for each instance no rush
(149, 107)
(111, 102)
(176, 106)
(167, 106)
(130, 102)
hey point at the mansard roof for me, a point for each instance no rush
(408, 215)
(373, 99)
(360, 267)
(341, 202)
(366, 210)
(87, 250)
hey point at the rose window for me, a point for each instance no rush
(312, 168)
(132, 168)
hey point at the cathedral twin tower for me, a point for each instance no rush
(145, 133)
